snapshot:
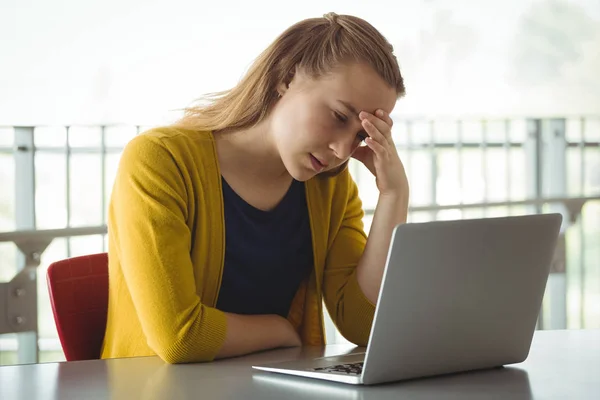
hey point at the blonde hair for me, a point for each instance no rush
(315, 46)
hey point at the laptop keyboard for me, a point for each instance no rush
(350, 369)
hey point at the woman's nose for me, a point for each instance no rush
(343, 147)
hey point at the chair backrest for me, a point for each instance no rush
(78, 290)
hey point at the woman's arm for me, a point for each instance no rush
(390, 211)
(351, 311)
(151, 239)
(250, 333)
(355, 263)
(381, 158)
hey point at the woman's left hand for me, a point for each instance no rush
(380, 155)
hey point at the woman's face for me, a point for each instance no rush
(315, 124)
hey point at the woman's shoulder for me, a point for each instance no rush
(180, 144)
(172, 136)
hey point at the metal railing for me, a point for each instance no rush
(544, 145)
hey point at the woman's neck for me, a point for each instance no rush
(251, 152)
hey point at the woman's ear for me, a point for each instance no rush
(282, 88)
(287, 82)
(285, 85)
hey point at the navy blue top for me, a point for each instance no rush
(267, 253)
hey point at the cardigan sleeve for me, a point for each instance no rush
(350, 310)
(152, 238)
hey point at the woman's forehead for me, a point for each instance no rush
(359, 88)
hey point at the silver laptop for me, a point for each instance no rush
(456, 296)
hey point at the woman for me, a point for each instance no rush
(229, 229)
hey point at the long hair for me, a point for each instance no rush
(314, 45)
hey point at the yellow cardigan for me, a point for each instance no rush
(166, 252)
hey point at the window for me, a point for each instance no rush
(448, 164)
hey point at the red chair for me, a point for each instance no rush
(78, 290)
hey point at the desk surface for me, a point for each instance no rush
(561, 364)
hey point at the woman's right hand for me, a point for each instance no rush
(250, 333)
(292, 339)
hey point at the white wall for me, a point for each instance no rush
(133, 61)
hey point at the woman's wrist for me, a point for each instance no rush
(394, 206)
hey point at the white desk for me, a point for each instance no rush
(561, 365)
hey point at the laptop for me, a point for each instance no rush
(456, 296)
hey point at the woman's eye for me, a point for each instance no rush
(362, 136)
(340, 117)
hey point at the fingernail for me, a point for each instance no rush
(380, 113)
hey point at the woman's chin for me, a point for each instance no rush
(303, 176)
(301, 173)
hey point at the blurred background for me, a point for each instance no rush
(501, 117)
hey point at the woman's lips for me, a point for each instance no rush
(316, 164)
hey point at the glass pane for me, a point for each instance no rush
(447, 215)
(591, 253)
(518, 130)
(86, 190)
(8, 261)
(420, 178)
(592, 129)
(7, 137)
(85, 136)
(421, 216)
(518, 210)
(496, 131)
(84, 245)
(400, 133)
(110, 170)
(518, 179)
(445, 131)
(573, 160)
(50, 190)
(448, 181)
(574, 259)
(592, 171)
(472, 213)
(496, 174)
(499, 211)
(573, 130)
(7, 192)
(50, 136)
(583, 269)
(366, 186)
(421, 132)
(8, 353)
(47, 356)
(118, 136)
(56, 251)
(471, 132)
(472, 176)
